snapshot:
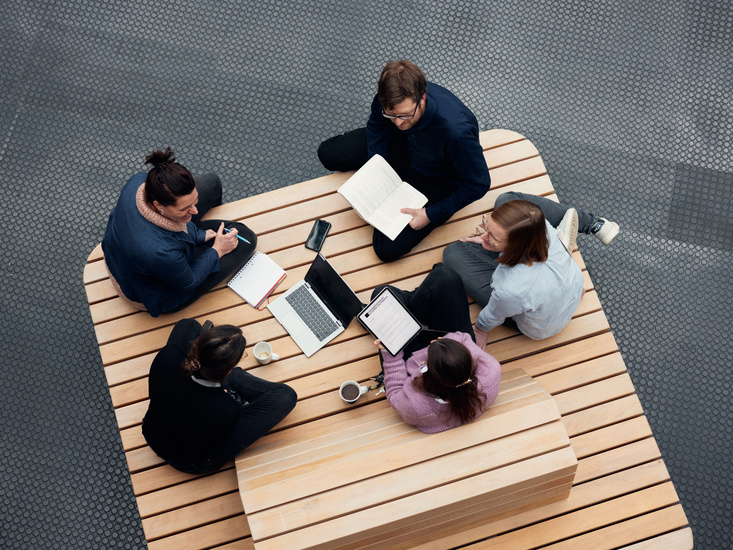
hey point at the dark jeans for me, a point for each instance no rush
(439, 303)
(210, 195)
(349, 152)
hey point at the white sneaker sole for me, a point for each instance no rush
(568, 229)
(608, 232)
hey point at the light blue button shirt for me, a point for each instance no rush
(541, 298)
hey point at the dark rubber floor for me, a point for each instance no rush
(629, 103)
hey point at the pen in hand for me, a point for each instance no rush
(240, 238)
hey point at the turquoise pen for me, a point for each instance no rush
(240, 238)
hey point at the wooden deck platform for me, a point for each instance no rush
(374, 482)
(622, 496)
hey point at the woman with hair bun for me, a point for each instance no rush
(159, 254)
(451, 380)
(518, 265)
(203, 408)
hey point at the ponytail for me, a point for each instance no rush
(451, 377)
(215, 353)
(190, 366)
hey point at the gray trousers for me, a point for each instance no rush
(475, 265)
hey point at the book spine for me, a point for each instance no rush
(267, 294)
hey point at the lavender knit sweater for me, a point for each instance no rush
(423, 410)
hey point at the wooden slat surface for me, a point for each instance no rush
(376, 474)
(622, 496)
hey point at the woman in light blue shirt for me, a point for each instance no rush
(518, 266)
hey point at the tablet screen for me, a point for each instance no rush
(389, 321)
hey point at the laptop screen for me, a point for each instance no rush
(333, 290)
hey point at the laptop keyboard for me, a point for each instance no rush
(311, 312)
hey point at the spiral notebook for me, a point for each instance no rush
(257, 279)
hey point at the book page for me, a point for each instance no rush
(388, 218)
(371, 185)
(388, 319)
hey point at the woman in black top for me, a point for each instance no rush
(203, 408)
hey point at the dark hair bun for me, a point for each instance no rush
(160, 158)
(167, 179)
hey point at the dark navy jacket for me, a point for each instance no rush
(443, 146)
(151, 264)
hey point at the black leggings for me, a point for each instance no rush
(209, 188)
(439, 303)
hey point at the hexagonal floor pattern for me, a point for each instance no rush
(629, 103)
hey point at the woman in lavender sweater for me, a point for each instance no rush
(451, 381)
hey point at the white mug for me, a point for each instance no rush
(264, 354)
(350, 391)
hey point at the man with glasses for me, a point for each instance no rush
(431, 140)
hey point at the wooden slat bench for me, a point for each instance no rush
(373, 479)
(622, 495)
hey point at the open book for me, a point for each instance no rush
(377, 194)
(257, 279)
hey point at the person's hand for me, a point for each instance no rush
(210, 234)
(482, 337)
(224, 243)
(419, 217)
(378, 343)
(472, 239)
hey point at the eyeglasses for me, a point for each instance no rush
(481, 229)
(401, 117)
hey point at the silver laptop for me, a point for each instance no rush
(317, 309)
